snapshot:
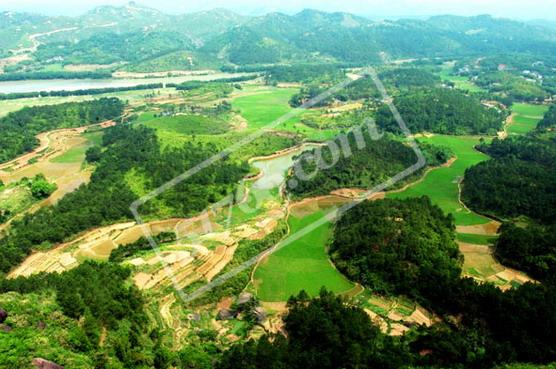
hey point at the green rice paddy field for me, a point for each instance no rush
(526, 118)
(263, 107)
(441, 185)
(300, 265)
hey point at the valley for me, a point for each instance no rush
(191, 191)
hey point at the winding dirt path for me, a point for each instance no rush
(51, 144)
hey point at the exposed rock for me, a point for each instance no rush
(41, 325)
(40, 363)
(244, 298)
(5, 328)
(260, 314)
(226, 314)
(194, 317)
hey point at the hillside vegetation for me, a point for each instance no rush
(519, 180)
(441, 111)
(107, 198)
(363, 168)
(18, 129)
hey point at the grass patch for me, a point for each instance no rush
(475, 239)
(441, 184)
(185, 124)
(300, 265)
(526, 118)
(264, 107)
(15, 198)
(77, 154)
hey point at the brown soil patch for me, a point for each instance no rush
(238, 122)
(226, 258)
(98, 249)
(309, 206)
(509, 121)
(487, 229)
(225, 303)
(479, 263)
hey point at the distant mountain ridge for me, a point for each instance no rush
(223, 37)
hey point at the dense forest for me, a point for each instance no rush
(304, 73)
(518, 180)
(530, 248)
(113, 331)
(323, 332)
(441, 111)
(107, 198)
(18, 129)
(108, 47)
(361, 89)
(385, 245)
(326, 169)
(392, 246)
(549, 119)
(404, 78)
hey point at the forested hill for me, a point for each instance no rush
(441, 111)
(347, 37)
(376, 162)
(18, 129)
(519, 180)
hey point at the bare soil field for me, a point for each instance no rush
(480, 264)
(488, 229)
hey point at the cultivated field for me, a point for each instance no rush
(442, 184)
(301, 265)
(525, 118)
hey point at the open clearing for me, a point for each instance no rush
(479, 263)
(441, 184)
(525, 118)
(460, 82)
(185, 124)
(261, 107)
(301, 265)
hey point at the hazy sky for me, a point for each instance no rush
(521, 9)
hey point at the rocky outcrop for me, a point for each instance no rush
(40, 363)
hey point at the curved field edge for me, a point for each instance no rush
(442, 184)
(301, 265)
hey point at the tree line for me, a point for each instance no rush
(318, 173)
(18, 129)
(23, 76)
(441, 111)
(519, 180)
(85, 92)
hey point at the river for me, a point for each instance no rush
(86, 84)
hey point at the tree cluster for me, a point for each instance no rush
(18, 129)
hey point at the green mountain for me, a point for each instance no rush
(133, 33)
